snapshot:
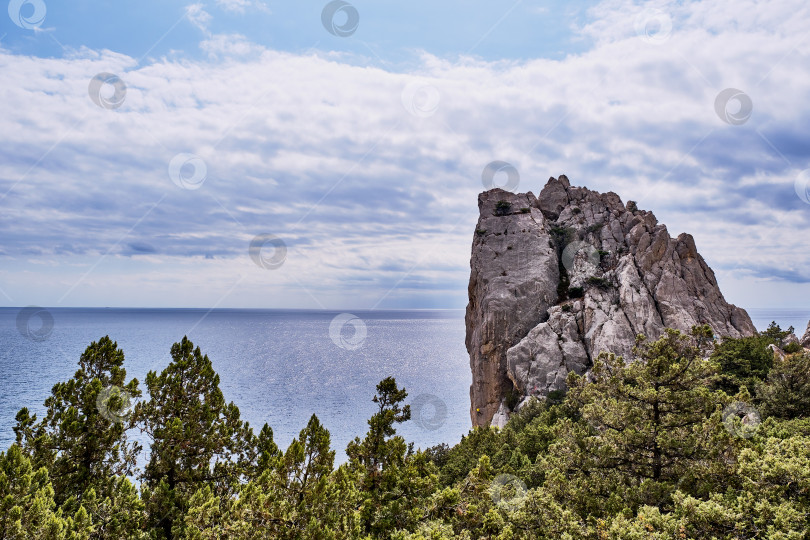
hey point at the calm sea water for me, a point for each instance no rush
(279, 367)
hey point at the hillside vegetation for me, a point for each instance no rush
(692, 440)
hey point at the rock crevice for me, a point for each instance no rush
(558, 278)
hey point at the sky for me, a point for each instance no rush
(328, 155)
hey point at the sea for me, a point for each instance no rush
(278, 366)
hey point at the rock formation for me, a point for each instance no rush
(805, 341)
(556, 279)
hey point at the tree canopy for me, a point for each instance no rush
(692, 437)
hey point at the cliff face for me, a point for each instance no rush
(559, 278)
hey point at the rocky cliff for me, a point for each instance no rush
(558, 278)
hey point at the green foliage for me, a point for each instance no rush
(562, 236)
(513, 397)
(636, 450)
(745, 361)
(297, 496)
(392, 479)
(502, 208)
(786, 392)
(463, 457)
(648, 426)
(600, 282)
(576, 292)
(82, 437)
(26, 499)
(775, 333)
(198, 440)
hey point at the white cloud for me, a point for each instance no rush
(239, 6)
(198, 16)
(370, 198)
(229, 45)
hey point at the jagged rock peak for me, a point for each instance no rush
(558, 278)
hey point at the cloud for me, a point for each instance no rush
(229, 45)
(198, 16)
(240, 6)
(374, 198)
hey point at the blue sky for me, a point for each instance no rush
(222, 121)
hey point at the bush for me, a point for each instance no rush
(502, 207)
(513, 397)
(576, 292)
(600, 282)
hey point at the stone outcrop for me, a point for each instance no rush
(558, 278)
(805, 341)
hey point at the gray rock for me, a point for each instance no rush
(557, 279)
(805, 341)
(789, 340)
(513, 282)
(777, 352)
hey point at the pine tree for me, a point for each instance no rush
(393, 478)
(198, 440)
(82, 439)
(645, 428)
(298, 496)
(786, 393)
